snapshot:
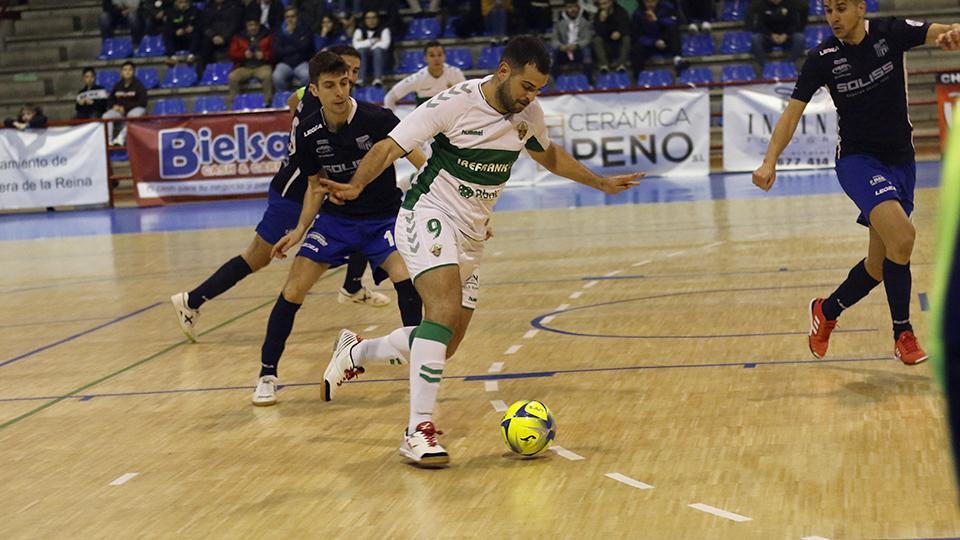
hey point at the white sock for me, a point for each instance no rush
(393, 349)
(427, 358)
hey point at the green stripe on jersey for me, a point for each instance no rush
(476, 165)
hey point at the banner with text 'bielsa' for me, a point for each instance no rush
(751, 112)
(207, 157)
(62, 166)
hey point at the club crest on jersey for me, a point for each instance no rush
(522, 129)
(364, 142)
(881, 47)
(436, 249)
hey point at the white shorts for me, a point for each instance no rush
(428, 239)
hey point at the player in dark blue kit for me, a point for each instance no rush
(330, 136)
(862, 66)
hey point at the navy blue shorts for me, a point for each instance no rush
(869, 181)
(332, 239)
(281, 217)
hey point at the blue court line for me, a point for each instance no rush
(80, 334)
(473, 378)
(924, 302)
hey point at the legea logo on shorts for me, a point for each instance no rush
(183, 151)
(881, 191)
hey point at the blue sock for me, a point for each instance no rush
(858, 284)
(278, 330)
(898, 282)
(225, 277)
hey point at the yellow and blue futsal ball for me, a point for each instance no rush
(528, 427)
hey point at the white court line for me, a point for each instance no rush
(718, 512)
(547, 319)
(371, 328)
(590, 284)
(713, 245)
(675, 253)
(495, 367)
(628, 481)
(564, 453)
(123, 479)
(641, 263)
(530, 333)
(611, 274)
(576, 294)
(814, 538)
(491, 386)
(499, 405)
(513, 349)
(562, 307)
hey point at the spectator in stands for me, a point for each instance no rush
(572, 37)
(30, 117)
(416, 8)
(251, 52)
(330, 32)
(116, 11)
(349, 24)
(776, 23)
(496, 13)
(92, 98)
(389, 11)
(268, 12)
(373, 42)
(292, 49)
(311, 12)
(533, 16)
(220, 21)
(612, 28)
(154, 13)
(127, 99)
(655, 29)
(181, 31)
(698, 11)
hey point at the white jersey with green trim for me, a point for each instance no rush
(424, 85)
(474, 149)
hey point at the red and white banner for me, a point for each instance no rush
(948, 100)
(206, 157)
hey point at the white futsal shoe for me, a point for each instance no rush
(185, 316)
(341, 367)
(266, 392)
(422, 447)
(364, 297)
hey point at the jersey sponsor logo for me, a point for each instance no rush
(484, 167)
(522, 129)
(364, 142)
(912, 22)
(468, 192)
(183, 150)
(875, 75)
(477, 132)
(340, 168)
(877, 179)
(839, 61)
(881, 191)
(829, 50)
(323, 148)
(317, 237)
(881, 48)
(842, 69)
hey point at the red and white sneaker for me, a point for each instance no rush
(341, 367)
(422, 447)
(907, 349)
(820, 329)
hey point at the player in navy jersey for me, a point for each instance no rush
(862, 66)
(329, 137)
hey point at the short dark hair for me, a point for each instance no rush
(431, 44)
(523, 50)
(326, 62)
(88, 69)
(129, 63)
(343, 50)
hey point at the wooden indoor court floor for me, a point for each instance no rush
(669, 341)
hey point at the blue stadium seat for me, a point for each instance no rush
(107, 78)
(180, 77)
(449, 31)
(738, 73)
(655, 78)
(430, 28)
(460, 57)
(735, 42)
(813, 35)
(873, 6)
(734, 10)
(149, 77)
(374, 94)
(169, 106)
(116, 47)
(573, 83)
(245, 102)
(209, 104)
(779, 70)
(151, 46)
(414, 30)
(489, 57)
(216, 74)
(410, 61)
(280, 99)
(696, 76)
(697, 45)
(614, 80)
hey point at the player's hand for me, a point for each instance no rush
(340, 193)
(289, 240)
(950, 40)
(765, 176)
(612, 185)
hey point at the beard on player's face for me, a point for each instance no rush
(506, 99)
